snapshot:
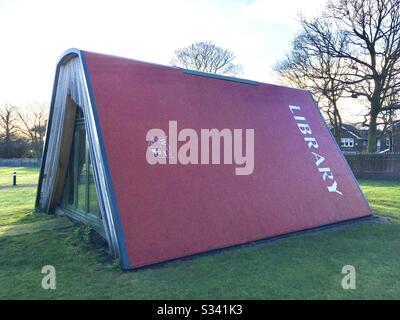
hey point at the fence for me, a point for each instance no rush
(20, 162)
(364, 166)
(375, 166)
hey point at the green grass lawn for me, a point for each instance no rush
(24, 175)
(383, 197)
(306, 266)
(16, 204)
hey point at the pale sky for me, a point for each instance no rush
(35, 33)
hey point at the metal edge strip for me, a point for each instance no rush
(218, 76)
(102, 172)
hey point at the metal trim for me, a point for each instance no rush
(101, 171)
(218, 76)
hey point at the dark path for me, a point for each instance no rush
(19, 186)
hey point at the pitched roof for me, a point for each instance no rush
(156, 212)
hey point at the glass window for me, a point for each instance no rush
(80, 149)
(80, 194)
(347, 142)
(92, 197)
(70, 183)
(79, 114)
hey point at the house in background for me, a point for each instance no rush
(390, 140)
(353, 140)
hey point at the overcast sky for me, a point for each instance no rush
(35, 33)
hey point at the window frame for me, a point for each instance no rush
(347, 142)
(83, 215)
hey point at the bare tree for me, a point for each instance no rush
(33, 126)
(207, 57)
(368, 34)
(308, 66)
(8, 128)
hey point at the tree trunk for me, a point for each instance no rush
(336, 121)
(336, 132)
(338, 124)
(372, 132)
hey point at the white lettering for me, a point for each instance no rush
(164, 150)
(312, 143)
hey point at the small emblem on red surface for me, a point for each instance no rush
(159, 147)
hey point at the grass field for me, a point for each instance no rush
(383, 196)
(16, 205)
(24, 175)
(306, 266)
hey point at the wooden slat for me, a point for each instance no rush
(65, 150)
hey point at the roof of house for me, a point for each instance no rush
(360, 134)
(395, 124)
